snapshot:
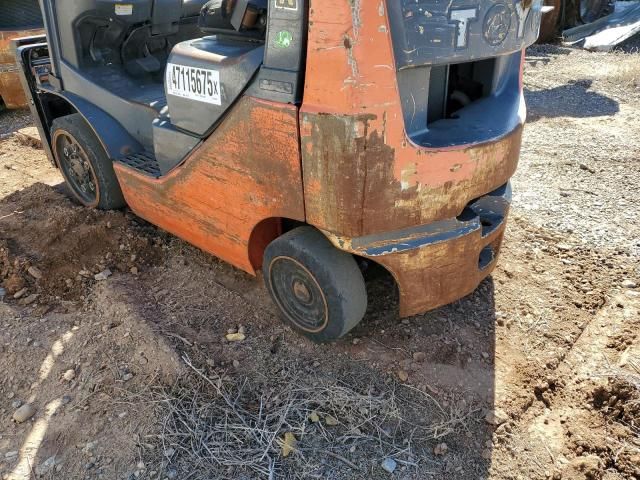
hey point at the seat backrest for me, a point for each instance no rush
(165, 16)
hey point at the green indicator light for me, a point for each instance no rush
(284, 39)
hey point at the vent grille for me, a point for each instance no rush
(144, 162)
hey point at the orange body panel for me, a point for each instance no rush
(439, 273)
(245, 173)
(363, 175)
(10, 87)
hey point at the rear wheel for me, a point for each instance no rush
(318, 289)
(84, 164)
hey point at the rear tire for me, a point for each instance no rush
(84, 164)
(318, 289)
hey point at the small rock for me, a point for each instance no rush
(313, 417)
(419, 357)
(20, 293)
(127, 376)
(69, 375)
(389, 465)
(29, 300)
(46, 466)
(169, 452)
(236, 364)
(24, 413)
(90, 446)
(235, 337)
(441, 449)
(134, 270)
(9, 455)
(3, 292)
(626, 284)
(103, 275)
(564, 247)
(496, 417)
(242, 330)
(172, 473)
(35, 272)
(403, 376)
(16, 404)
(330, 421)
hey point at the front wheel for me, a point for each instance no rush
(318, 289)
(84, 164)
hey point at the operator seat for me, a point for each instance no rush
(242, 18)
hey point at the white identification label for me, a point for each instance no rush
(124, 9)
(194, 83)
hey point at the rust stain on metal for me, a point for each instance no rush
(363, 176)
(442, 273)
(356, 191)
(10, 87)
(368, 176)
(223, 196)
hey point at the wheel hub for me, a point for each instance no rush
(298, 294)
(301, 291)
(76, 165)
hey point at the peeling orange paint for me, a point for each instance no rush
(229, 185)
(354, 82)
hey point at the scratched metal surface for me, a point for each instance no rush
(429, 32)
(361, 173)
(224, 195)
(363, 176)
(442, 273)
(441, 262)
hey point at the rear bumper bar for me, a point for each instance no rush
(441, 262)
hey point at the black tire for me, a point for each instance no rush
(84, 164)
(318, 289)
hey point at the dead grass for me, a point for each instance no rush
(227, 427)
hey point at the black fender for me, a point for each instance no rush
(114, 138)
(116, 141)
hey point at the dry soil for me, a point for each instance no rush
(536, 375)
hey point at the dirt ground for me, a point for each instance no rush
(536, 375)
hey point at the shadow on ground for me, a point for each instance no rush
(575, 99)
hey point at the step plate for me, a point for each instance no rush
(144, 162)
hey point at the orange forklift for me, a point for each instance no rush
(296, 137)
